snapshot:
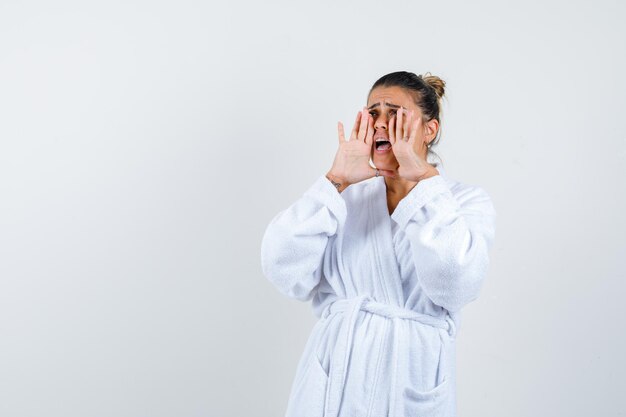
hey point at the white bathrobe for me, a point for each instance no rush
(387, 290)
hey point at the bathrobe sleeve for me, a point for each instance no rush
(450, 234)
(295, 242)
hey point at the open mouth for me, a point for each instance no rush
(382, 145)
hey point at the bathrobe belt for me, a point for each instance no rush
(340, 356)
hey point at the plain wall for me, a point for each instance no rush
(146, 145)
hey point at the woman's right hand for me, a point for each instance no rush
(351, 164)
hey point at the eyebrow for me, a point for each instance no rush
(373, 106)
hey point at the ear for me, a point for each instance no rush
(431, 128)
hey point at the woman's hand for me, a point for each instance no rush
(351, 164)
(403, 133)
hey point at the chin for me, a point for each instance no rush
(385, 162)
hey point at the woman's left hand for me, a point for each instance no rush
(403, 133)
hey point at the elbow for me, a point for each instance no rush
(286, 271)
(291, 283)
(456, 297)
(459, 285)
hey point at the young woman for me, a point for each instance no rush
(388, 255)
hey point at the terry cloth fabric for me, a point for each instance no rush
(387, 290)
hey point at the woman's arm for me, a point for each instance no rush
(450, 235)
(294, 243)
(292, 252)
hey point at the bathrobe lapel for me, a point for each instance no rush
(380, 226)
(382, 235)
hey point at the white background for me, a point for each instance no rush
(145, 146)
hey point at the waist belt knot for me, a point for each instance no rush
(340, 356)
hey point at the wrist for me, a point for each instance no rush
(430, 173)
(339, 183)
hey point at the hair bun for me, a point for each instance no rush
(435, 82)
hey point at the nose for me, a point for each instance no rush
(380, 122)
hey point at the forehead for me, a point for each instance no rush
(392, 95)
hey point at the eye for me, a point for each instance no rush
(393, 112)
(373, 113)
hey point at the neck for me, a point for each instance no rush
(399, 186)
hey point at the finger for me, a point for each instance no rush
(340, 132)
(414, 129)
(369, 139)
(387, 173)
(356, 126)
(405, 125)
(399, 124)
(392, 130)
(363, 128)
